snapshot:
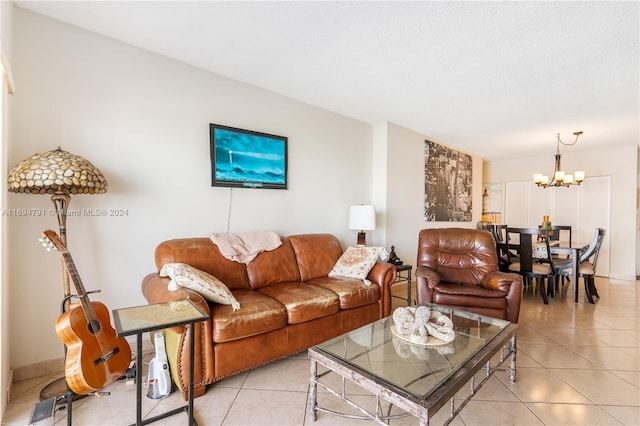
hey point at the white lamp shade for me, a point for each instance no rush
(362, 218)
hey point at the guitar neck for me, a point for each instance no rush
(77, 283)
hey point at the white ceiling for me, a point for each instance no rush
(494, 78)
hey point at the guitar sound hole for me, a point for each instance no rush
(94, 326)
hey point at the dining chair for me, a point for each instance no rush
(561, 233)
(504, 258)
(586, 267)
(538, 266)
(500, 232)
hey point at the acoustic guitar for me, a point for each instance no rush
(96, 356)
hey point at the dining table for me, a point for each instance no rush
(573, 250)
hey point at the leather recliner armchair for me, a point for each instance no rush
(459, 268)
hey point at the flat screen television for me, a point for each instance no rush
(247, 159)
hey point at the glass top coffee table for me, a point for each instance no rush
(418, 379)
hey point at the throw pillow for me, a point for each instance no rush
(207, 285)
(356, 262)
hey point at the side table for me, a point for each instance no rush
(403, 273)
(147, 318)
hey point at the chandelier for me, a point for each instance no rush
(560, 178)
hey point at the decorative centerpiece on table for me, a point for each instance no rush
(546, 224)
(422, 326)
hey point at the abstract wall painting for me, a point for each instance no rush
(447, 184)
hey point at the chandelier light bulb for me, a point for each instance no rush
(559, 177)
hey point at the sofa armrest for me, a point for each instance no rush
(426, 280)
(177, 339)
(511, 284)
(383, 274)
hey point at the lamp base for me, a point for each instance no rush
(362, 239)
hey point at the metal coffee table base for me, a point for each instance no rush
(423, 409)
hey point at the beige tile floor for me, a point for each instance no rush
(577, 365)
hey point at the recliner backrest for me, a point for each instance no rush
(459, 255)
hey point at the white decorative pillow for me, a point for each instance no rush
(540, 251)
(356, 262)
(199, 281)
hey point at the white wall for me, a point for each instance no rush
(404, 190)
(620, 163)
(143, 120)
(6, 10)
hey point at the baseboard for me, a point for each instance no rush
(38, 369)
(623, 277)
(55, 366)
(10, 387)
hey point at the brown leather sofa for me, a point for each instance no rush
(287, 304)
(459, 268)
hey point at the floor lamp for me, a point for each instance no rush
(60, 174)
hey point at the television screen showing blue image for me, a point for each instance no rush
(247, 159)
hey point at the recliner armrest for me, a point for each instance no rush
(427, 279)
(498, 280)
(511, 284)
(431, 277)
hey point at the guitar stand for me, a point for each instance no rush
(47, 408)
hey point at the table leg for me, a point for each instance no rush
(574, 264)
(409, 289)
(512, 361)
(313, 391)
(139, 379)
(191, 375)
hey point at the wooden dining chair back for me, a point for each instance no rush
(500, 233)
(560, 233)
(587, 266)
(538, 266)
(504, 257)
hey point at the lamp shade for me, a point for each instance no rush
(56, 171)
(362, 218)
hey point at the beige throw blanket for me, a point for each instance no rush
(244, 247)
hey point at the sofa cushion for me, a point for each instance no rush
(469, 295)
(201, 253)
(467, 302)
(259, 314)
(356, 262)
(316, 254)
(351, 292)
(207, 285)
(455, 289)
(303, 302)
(274, 266)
